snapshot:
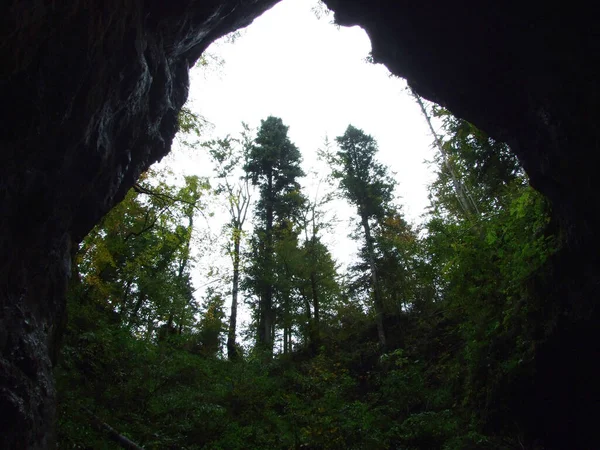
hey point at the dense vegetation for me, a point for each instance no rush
(422, 344)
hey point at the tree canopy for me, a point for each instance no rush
(427, 341)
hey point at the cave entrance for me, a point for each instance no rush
(293, 62)
(92, 147)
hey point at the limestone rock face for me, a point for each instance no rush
(90, 94)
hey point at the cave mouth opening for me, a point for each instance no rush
(293, 62)
(70, 151)
(282, 66)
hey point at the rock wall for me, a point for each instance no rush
(91, 92)
(527, 73)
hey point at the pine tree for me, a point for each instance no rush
(273, 165)
(365, 183)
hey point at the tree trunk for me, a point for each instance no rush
(231, 347)
(315, 326)
(376, 289)
(308, 335)
(266, 333)
(114, 435)
(463, 196)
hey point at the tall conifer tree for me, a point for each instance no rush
(274, 166)
(365, 183)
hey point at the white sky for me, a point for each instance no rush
(313, 75)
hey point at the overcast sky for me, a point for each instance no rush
(313, 75)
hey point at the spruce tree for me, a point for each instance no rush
(274, 166)
(365, 183)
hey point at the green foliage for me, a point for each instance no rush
(462, 317)
(137, 261)
(191, 127)
(364, 181)
(228, 155)
(273, 165)
(485, 168)
(212, 324)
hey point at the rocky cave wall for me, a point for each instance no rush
(91, 91)
(527, 73)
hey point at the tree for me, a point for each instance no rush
(273, 165)
(137, 261)
(486, 166)
(212, 324)
(484, 266)
(463, 317)
(318, 273)
(467, 204)
(228, 154)
(396, 247)
(365, 183)
(319, 287)
(287, 261)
